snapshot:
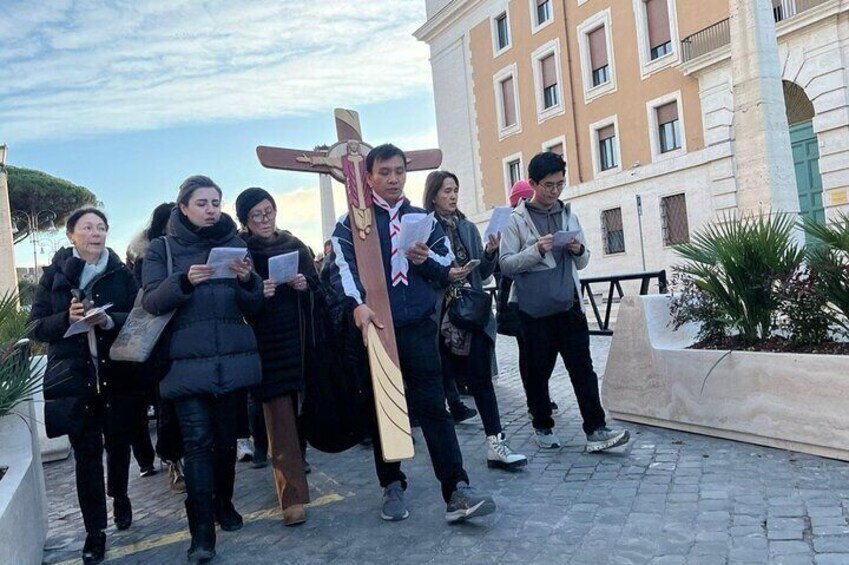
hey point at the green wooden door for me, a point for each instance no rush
(806, 157)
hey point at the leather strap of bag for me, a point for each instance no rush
(168, 257)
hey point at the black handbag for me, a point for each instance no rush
(469, 309)
(336, 383)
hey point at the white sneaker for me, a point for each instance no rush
(605, 438)
(244, 450)
(500, 456)
(546, 439)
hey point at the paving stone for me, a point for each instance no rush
(831, 559)
(668, 498)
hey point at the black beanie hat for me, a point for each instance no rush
(249, 198)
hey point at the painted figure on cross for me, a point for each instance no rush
(352, 166)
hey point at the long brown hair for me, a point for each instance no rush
(433, 184)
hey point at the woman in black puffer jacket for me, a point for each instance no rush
(282, 328)
(212, 351)
(87, 395)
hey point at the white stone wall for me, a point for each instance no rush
(456, 117)
(434, 6)
(764, 160)
(455, 121)
(815, 58)
(813, 52)
(8, 274)
(690, 174)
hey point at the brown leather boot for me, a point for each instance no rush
(294, 515)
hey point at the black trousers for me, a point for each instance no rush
(169, 440)
(566, 334)
(88, 443)
(523, 363)
(476, 371)
(256, 422)
(141, 444)
(422, 374)
(208, 425)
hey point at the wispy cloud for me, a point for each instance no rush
(81, 67)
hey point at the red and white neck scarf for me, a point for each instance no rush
(398, 262)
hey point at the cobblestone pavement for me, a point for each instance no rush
(667, 498)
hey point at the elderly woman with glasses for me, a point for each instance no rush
(281, 328)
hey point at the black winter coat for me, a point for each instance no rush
(71, 380)
(283, 326)
(211, 348)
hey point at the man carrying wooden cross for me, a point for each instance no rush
(410, 279)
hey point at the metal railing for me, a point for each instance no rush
(719, 34)
(709, 39)
(614, 283)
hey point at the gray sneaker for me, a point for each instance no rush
(546, 439)
(605, 438)
(467, 502)
(394, 507)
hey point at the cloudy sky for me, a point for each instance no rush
(128, 98)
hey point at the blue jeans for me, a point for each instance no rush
(422, 374)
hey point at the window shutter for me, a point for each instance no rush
(606, 132)
(667, 113)
(509, 102)
(658, 18)
(549, 72)
(598, 48)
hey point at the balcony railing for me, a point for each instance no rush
(719, 34)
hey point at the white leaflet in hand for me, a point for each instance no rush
(220, 259)
(82, 325)
(282, 268)
(498, 221)
(562, 238)
(415, 228)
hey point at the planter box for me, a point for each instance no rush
(23, 503)
(785, 400)
(52, 449)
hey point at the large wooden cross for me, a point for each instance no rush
(345, 161)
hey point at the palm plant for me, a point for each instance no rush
(830, 257)
(739, 263)
(17, 383)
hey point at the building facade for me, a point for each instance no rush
(638, 95)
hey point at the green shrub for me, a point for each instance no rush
(829, 256)
(17, 383)
(689, 304)
(739, 264)
(805, 317)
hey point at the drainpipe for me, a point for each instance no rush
(571, 92)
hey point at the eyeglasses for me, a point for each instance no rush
(260, 217)
(554, 185)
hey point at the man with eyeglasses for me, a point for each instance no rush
(542, 249)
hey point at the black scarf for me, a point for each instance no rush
(220, 230)
(280, 242)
